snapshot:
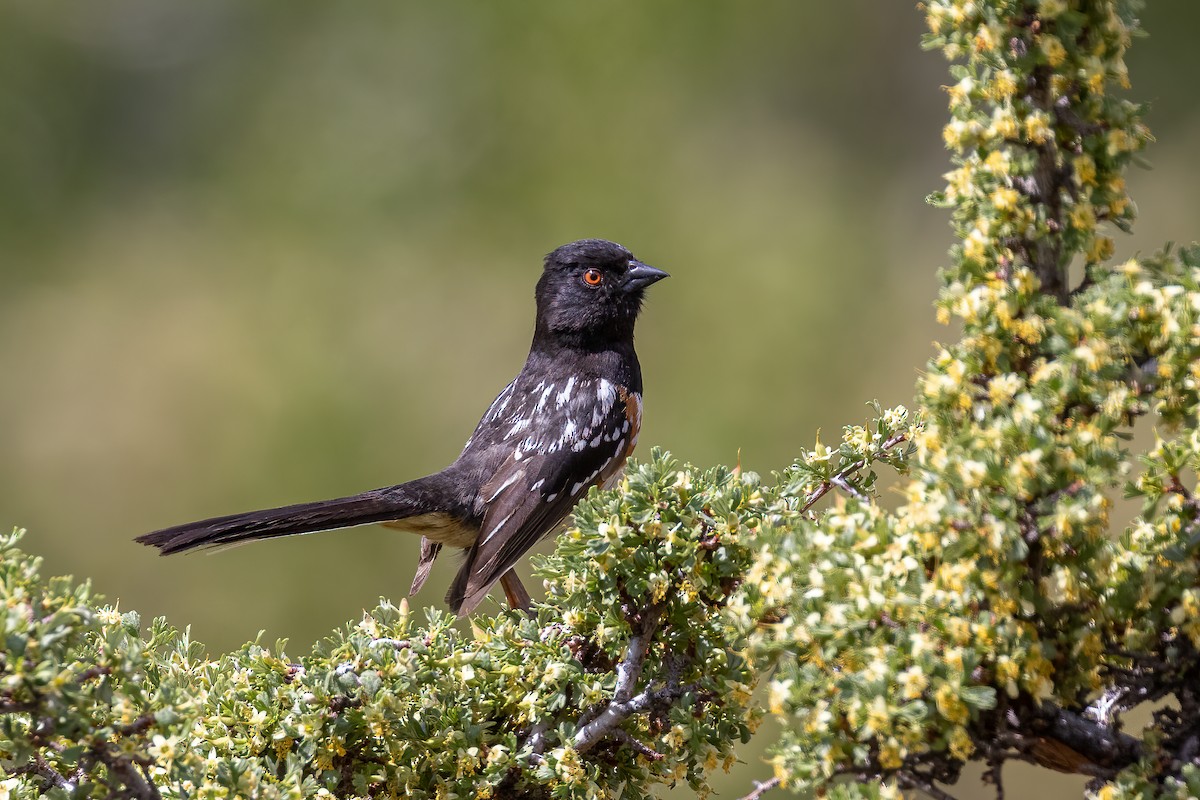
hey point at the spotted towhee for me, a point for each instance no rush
(566, 423)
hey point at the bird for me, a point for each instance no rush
(566, 423)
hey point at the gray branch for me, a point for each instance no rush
(615, 713)
(623, 702)
(761, 788)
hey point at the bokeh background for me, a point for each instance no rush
(254, 254)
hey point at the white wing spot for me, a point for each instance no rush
(606, 393)
(500, 403)
(517, 426)
(498, 526)
(505, 485)
(537, 485)
(588, 480)
(565, 395)
(545, 395)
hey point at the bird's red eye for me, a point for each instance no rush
(592, 277)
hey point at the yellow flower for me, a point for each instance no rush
(954, 134)
(1101, 248)
(164, 749)
(960, 91)
(891, 756)
(972, 472)
(986, 39)
(961, 745)
(1005, 199)
(1053, 49)
(1004, 85)
(975, 245)
(936, 18)
(912, 682)
(1029, 330)
(1083, 218)
(1119, 141)
(1085, 170)
(949, 704)
(879, 717)
(998, 162)
(1049, 9)
(1037, 127)
(959, 182)
(1003, 388)
(1004, 124)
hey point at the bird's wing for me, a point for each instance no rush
(565, 448)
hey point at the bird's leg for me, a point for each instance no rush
(514, 591)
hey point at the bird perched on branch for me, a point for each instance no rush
(567, 422)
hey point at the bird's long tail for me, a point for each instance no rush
(379, 505)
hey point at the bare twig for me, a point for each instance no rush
(913, 780)
(93, 672)
(637, 747)
(124, 768)
(842, 484)
(761, 788)
(8, 706)
(38, 766)
(139, 725)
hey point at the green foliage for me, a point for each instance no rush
(634, 671)
(992, 615)
(402, 707)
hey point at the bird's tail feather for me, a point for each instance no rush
(378, 505)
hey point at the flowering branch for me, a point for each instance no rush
(840, 479)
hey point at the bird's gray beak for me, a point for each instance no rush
(641, 275)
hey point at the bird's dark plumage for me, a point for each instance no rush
(567, 422)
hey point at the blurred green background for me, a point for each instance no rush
(254, 254)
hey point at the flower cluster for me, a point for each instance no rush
(991, 612)
(1039, 137)
(905, 643)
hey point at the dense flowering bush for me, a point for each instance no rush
(991, 613)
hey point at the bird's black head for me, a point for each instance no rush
(590, 293)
